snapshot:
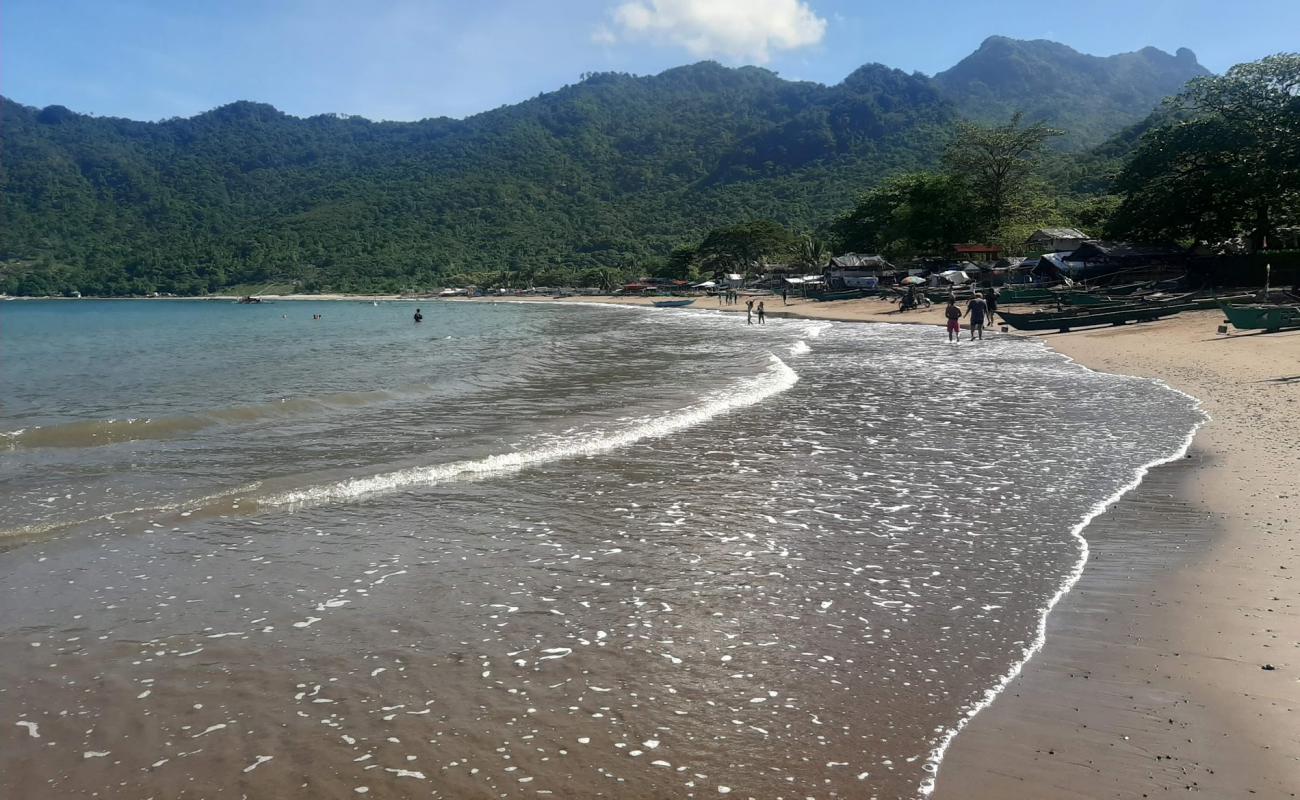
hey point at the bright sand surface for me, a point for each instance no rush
(1153, 679)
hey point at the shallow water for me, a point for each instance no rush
(523, 549)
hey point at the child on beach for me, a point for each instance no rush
(953, 313)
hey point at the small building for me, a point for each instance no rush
(860, 261)
(857, 271)
(1094, 258)
(976, 252)
(1056, 240)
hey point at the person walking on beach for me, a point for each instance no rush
(953, 313)
(418, 316)
(762, 315)
(749, 312)
(785, 291)
(991, 298)
(976, 309)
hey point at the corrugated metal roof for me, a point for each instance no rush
(860, 260)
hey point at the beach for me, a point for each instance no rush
(1174, 664)
(637, 552)
(1155, 676)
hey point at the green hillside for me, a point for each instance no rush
(607, 173)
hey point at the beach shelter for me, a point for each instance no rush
(912, 280)
(955, 276)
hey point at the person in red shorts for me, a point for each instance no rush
(953, 313)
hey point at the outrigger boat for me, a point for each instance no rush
(674, 303)
(1087, 316)
(1258, 317)
(1064, 321)
(847, 294)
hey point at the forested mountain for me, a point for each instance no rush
(606, 173)
(1089, 97)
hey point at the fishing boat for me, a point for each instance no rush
(847, 294)
(1260, 317)
(1016, 294)
(674, 303)
(1082, 318)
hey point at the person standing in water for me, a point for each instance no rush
(953, 313)
(749, 312)
(976, 309)
(762, 314)
(418, 316)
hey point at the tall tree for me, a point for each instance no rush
(811, 253)
(745, 246)
(922, 212)
(1231, 166)
(998, 162)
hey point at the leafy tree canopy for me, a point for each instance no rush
(1229, 165)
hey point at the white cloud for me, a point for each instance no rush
(603, 35)
(734, 29)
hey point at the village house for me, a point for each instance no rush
(1055, 240)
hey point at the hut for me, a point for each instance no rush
(1055, 240)
(857, 271)
(1095, 258)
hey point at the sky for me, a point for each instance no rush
(412, 59)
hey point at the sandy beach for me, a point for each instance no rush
(1176, 673)
(1173, 664)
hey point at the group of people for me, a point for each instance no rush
(750, 311)
(980, 309)
(728, 297)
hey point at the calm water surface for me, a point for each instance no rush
(523, 550)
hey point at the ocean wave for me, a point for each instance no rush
(777, 378)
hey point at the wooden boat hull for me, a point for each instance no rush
(1262, 317)
(850, 294)
(1064, 322)
(673, 303)
(1007, 295)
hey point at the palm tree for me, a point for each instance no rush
(811, 253)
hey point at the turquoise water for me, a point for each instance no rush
(615, 552)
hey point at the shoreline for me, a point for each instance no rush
(1182, 639)
(1181, 644)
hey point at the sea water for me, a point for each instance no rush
(527, 549)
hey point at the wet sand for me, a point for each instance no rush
(1174, 665)
(1155, 675)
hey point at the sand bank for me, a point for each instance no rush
(1174, 665)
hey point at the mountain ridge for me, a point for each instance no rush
(610, 171)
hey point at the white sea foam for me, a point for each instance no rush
(746, 392)
(1040, 638)
(800, 348)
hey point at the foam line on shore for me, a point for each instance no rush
(935, 760)
(746, 392)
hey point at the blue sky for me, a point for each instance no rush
(410, 59)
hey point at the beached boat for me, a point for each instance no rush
(1083, 318)
(847, 294)
(1026, 294)
(1259, 317)
(674, 303)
